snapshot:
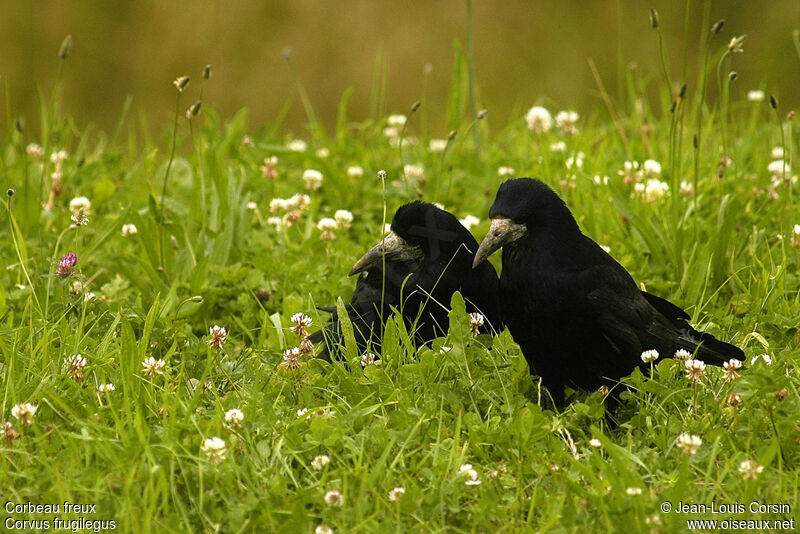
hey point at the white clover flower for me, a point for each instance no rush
(252, 206)
(654, 189)
(414, 172)
(277, 222)
(633, 491)
(24, 413)
(469, 221)
(327, 223)
(323, 529)
(750, 469)
(279, 204)
(694, 369)
(600, 180)
(392, 132)
(152, 367)
(397, 493)
(218, 336)
(35, 151)
(319, 462)
(343, 218)
(354, 171)
(234, 417)
(437, 145)
(539, 119)
(129, 230)
(755, 95)
(396, 120)
(575, 161)
(766, 357)
(74, 364)
(651, 168)
(777, 152)
(299, 200)
(686, 188)
(323, 153)
(334, 499)
(472, 478)
(58, 157)
(731, 366)
(270, 167)
(779, 168)
(313, 179)
(80, 204)
(80, 219)
(506, 171)
(215, 449)
(683, 355)
(649, 356)
(559, 146)
(106, 388)
(596, 443)
(689, 443)
(297, 145)
(475, 322)
(367, 358)
(301, 322)
(291, 359)
(566, 120)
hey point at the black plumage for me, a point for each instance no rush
(427, 256)
(577, 314)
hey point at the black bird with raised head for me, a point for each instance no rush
(577, 314)
(426, 257)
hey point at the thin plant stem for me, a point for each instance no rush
(166, 179)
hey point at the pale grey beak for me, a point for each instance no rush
(502, 231)
(394, 247)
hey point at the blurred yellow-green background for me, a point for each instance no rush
(525, 52)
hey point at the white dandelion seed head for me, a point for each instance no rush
(539, 119)
(566, 121)
(80, 204)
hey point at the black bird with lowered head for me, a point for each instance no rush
(426, 257)
(577, 314)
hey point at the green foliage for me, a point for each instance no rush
(418, 414)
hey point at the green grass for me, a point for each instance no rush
(204, 257)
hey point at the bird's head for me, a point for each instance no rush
(523, 206)
(420, 232)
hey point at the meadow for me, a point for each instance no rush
(149, 283)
